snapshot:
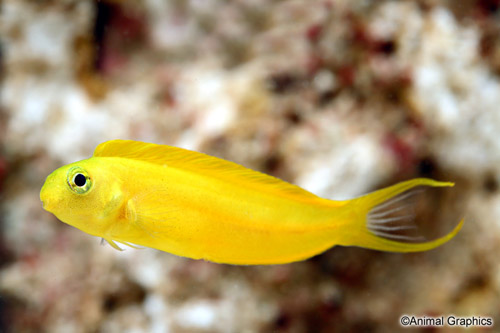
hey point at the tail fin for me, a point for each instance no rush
(386, 216)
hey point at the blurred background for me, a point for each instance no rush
(340, 97)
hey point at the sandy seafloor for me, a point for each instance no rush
(340, 97)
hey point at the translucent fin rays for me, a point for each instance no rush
(394, 218)
(113, 244)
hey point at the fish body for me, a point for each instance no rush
(197, 206)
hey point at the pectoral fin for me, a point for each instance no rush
(152, 213)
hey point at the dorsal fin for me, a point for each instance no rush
(199, 163)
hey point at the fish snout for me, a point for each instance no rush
(46, 205)
(44, 198)
(46, 194)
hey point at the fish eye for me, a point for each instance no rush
(79, 180)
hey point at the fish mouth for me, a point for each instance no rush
(45, 205)
(45, 202)
(44, 198)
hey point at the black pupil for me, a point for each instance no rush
(80, 180)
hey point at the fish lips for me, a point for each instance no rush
(47, 193)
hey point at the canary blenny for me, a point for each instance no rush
(198, 206)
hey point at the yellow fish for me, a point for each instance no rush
(198, 206)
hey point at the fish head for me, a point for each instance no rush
(83, 194)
